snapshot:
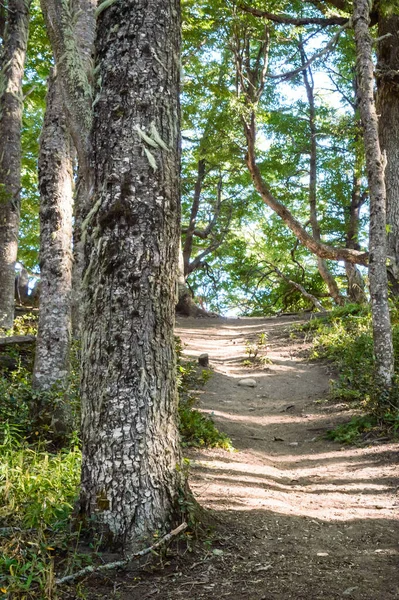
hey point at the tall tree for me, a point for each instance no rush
(56, 200)
(71, 29)
(387, 71)
(130, 474)
(251, 58)
(313, 217)
(12, 60)
(382, 331)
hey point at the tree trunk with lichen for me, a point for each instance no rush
(382, 331)
(84, 34)
(388, 109)
(131, 476)
(12, 60)
(71, 29)
(51, 366)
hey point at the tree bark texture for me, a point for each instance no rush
(71, 29)
(12, 61)
(75, 72)
(382, 332)
(388, 109)
(56, 198)
(131, 474)
(85, 29)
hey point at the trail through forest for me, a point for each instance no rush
(295, 515)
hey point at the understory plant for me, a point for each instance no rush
(39, 483)
(345, 337)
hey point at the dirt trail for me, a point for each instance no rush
(303, 517)
(297, 516)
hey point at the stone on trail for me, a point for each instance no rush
(203, 360)
(247, 382)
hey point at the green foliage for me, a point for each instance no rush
(37, 493)
(38, 487)
(352, 432)
(199, 430)
(345, 337)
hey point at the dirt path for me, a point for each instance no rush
(297, 517)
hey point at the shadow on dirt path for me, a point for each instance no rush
(297, 516)
(304, 517)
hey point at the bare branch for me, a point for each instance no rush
(122, 563)
(327, 48)
(287, 20)
(299, 287)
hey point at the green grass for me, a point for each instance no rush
(37, 493)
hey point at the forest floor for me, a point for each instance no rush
(293, 515)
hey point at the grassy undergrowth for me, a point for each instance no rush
(39, 486)
(344, 337)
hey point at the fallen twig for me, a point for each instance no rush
(125, 561)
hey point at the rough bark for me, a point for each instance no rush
(322, 265)
(56, 198)
(71, 29)
(84, 35)
(131, 458)
(74, 73)
(81, 202)
(388, 109)
(12, 60)
(382, 332)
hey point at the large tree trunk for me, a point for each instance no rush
(388, 109)
(131, 453)
(12, 61)
(382, 332)
(56, 198)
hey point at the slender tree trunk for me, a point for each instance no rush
(56, 198)
(388, 109)
(382, 332)
(356, 285)
(131, 458)
(81, 201)
(71, 29)
(318, 248)
(12, 61)
(322, 265)
(188, 242)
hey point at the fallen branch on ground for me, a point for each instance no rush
(125, 561)
(17, 339)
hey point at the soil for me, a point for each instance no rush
(293, 515)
